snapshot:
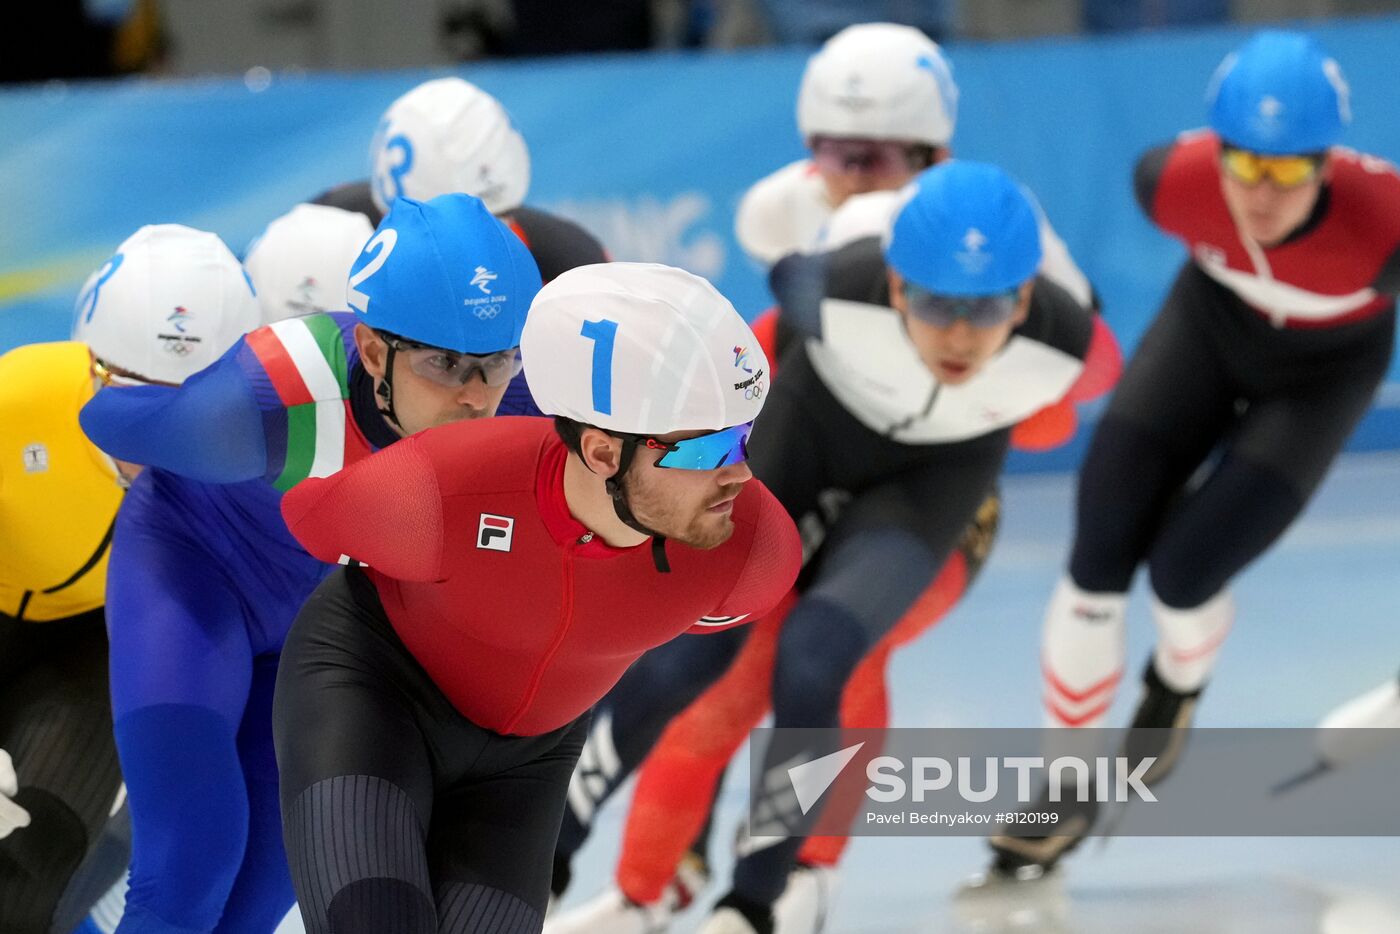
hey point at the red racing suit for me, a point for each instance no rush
(521, 616)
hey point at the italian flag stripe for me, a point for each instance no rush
(310, 354)
(330, 438)
(291, 388)
(301, 450)
(316, 349)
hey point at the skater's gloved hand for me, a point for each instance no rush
(12, 816)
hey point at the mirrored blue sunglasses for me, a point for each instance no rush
(707, 452)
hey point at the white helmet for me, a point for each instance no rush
(879, 81)
(447, 136)
(643, 349)
(167, 304)
(299, 265)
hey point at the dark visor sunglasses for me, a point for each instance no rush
(943, 311)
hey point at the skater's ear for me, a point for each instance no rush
(896, 283)
(1023, 303)
(600, 452)
(373, 351)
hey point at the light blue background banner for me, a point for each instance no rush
(650, 152)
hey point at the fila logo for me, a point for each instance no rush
(494, 533)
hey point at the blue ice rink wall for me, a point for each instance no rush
(650, 152)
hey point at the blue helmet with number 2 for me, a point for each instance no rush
(445, 273)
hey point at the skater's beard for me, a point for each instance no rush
(686, 506)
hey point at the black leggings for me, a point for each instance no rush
(1214, 383)
(400, 815)
(56, 723)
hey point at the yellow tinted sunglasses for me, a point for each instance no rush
(109, 375)
(1251, 168)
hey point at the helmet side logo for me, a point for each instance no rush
(305, 301)
(483, 279)
(854, 98)
(180, 343)
(972, 258)
(1268, 116)
(488, 187)
(741, 359)
(753, 387)
(489, 306)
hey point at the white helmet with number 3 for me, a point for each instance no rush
(879, 81)
(167, 304)
(448, 136)
(643, 349)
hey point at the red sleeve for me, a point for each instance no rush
(775, 557)
(1046, 428)
(1187, 192)
(1055, 424)
(765, 328)
(385, 511)
(1103, 364)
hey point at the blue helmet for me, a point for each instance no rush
(1280, 95)
(445, 273)
(968, 229)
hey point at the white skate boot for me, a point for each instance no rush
(806, 903)
(612, 912)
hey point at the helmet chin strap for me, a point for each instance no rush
(624, 510)
(386, 392)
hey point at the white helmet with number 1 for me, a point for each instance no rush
(643, 349)
(879, 81)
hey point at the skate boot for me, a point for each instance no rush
(1159, 729)
(736, 915)
(612, 912)
(806, 903)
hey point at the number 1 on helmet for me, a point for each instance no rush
(604, 335)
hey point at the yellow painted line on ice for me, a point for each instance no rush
(74, 268)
